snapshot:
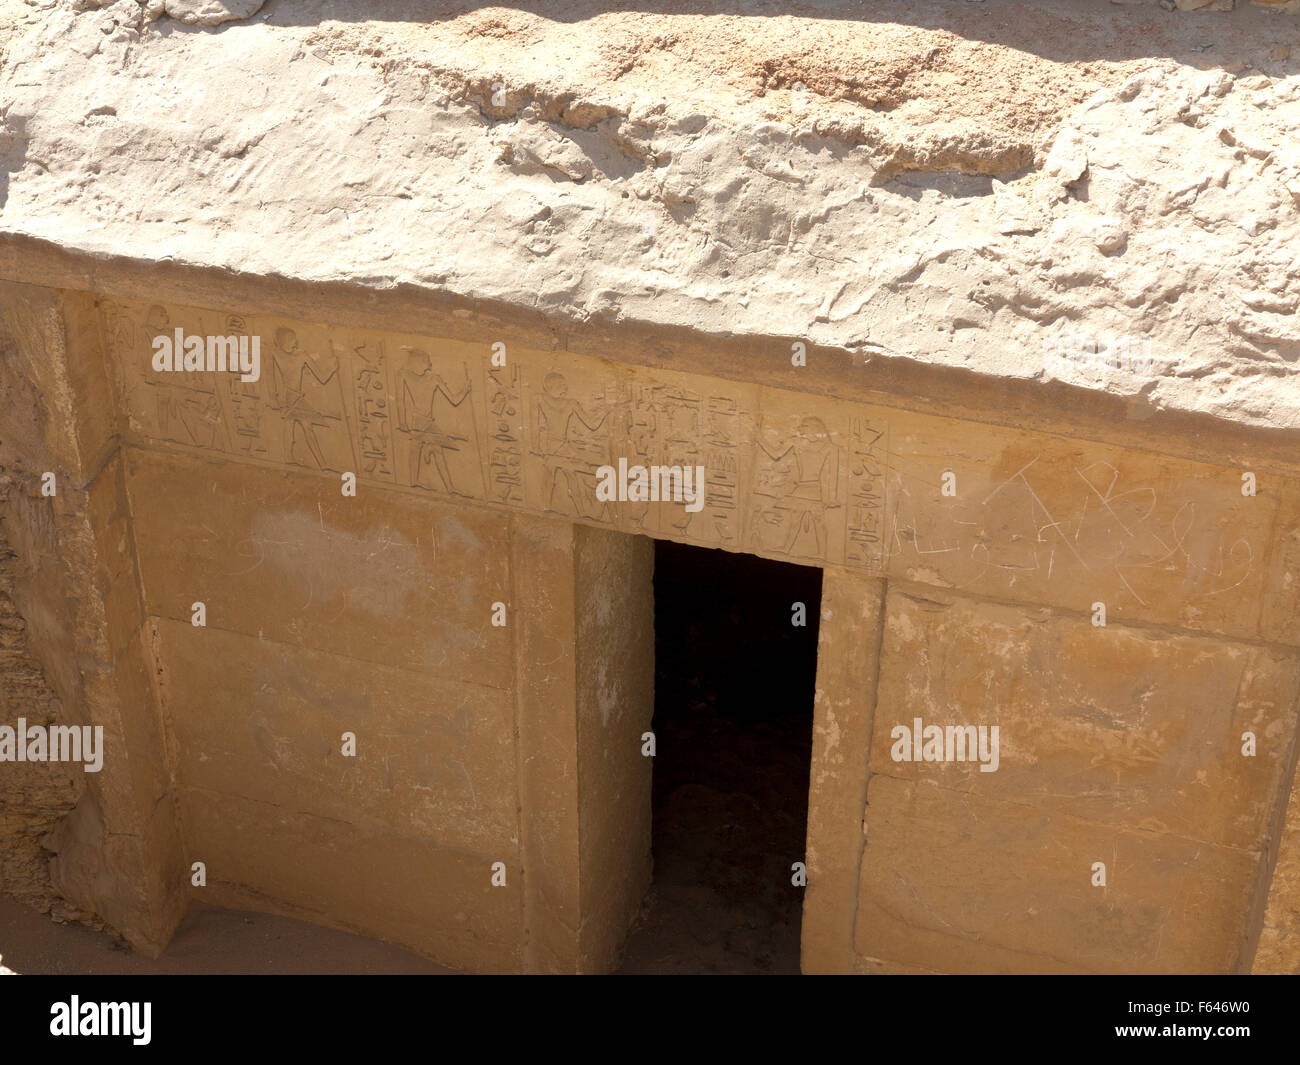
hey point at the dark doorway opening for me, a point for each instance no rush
(734, 683)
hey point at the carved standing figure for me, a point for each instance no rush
(417, 396)
(816, 475)
(306, 393)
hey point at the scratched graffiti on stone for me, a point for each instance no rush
(1099, 529)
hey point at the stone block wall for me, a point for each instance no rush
(326, 619)
(1120, 745)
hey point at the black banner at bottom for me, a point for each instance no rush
(143, 1014)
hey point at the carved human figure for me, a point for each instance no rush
(816, 475)
(306, 393)
(417, 396)
(555, 418)
(156, 322)
(134, 343)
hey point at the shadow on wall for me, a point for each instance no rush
(1059, 30)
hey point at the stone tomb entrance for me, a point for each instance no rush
(1118, 602)
(735, 664)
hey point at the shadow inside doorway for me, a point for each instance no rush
(734, 682)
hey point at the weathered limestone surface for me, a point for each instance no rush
(36, 795)
(544, 597)
(614, 664)
(117, 852)
(379, 629)
(930, 183)
(1117, 745)
(439, 758)
(848, 664)
(1279, 943)
(928, 859)
(431, 899)
(585, 653)
(400, 583)
(1125, 726)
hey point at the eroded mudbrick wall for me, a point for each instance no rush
(37, 795)
(372, 647)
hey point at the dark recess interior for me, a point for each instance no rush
(734, 682)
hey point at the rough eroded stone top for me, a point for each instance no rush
(1000, 186)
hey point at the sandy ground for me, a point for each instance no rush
(209, 940)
